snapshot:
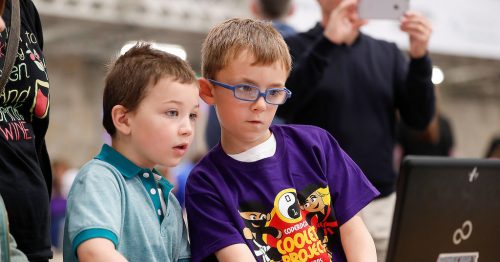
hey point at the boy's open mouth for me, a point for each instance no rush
(181, 147)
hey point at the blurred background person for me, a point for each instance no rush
(437, 139)
(25, 176)
(63, 176)
(494, 148)
(276, 11)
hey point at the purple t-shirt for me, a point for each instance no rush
(286, 207)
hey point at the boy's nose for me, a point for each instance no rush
(259, 105)
(186, 129)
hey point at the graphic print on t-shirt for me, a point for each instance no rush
(315, 200)
(298, 228)
(27, 94)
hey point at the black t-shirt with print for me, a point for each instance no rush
(25, 176)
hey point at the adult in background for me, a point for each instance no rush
(275, 11)
(25, 175)
(352, 84)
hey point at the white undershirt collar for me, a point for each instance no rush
(264, 150)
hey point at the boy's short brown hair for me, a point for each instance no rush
(130, 76)
(228, 39)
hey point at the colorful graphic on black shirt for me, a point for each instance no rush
(27, 94)
(298, 228)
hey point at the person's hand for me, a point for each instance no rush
(419, 30)
(344, 23)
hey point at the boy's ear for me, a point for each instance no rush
(121, 119)
(206, 91)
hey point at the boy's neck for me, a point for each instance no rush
(123, 147)
(232, 145)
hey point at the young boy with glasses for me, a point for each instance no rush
(269, 193)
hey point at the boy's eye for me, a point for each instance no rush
(172, 113)
(274, 92)
(247, 88)
(193, 116)
(253, 217)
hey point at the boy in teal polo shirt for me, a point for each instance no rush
(119, 207)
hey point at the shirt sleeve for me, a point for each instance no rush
(309, 66)
(94, 207)
(209, 222)
(414, 90)
(349, 188)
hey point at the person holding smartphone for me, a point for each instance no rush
(352, 85)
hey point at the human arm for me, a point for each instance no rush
(414, 90)
(342, 26)
(419, 30)
(240, 251)
(312, 54)
(98, 249)
(357, 241)
(93, 212)
(414, 94)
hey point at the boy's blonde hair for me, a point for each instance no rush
(228, 39)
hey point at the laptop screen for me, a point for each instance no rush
(447, 210)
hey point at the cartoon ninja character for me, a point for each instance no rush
(255, 217)
(316, 201)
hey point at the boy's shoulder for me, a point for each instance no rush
(299, 134)
(98, 166)
(208, 161)
(98, 171)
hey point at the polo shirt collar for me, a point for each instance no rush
(119, 161)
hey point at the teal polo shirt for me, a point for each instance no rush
(112, 198)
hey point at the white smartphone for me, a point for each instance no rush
(382, 9)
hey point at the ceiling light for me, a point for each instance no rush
(437, 75)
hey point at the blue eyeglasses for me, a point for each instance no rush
(246, 92)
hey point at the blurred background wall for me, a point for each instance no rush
(83, 36)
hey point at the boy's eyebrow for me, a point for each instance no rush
(177, 102)
(249, 81)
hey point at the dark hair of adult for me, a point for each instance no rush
(274, 9)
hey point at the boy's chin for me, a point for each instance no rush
(173, 163)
